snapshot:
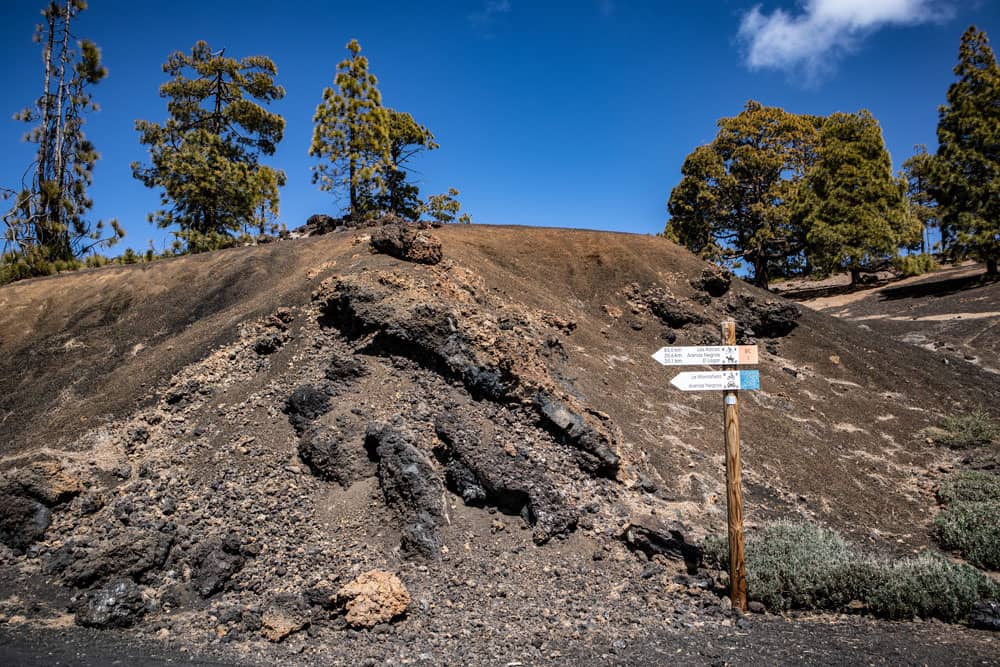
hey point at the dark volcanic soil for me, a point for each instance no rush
(954, 312)
(219, 443)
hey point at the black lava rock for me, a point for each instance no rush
(306, 404)
(23, 521)
(117, 605)
(213, 564)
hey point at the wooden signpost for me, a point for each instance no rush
(730, 381)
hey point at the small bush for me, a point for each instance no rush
(969, 485)
(927, 586)
(795, 565)
(32, 263)
(96, 261)
(972, 528)
(804, 566)
(914, 265)
(964, 431)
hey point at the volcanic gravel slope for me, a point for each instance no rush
(954, 312)
(205, 449)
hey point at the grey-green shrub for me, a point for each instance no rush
(804, 566)
(969, 485)
(973, 529)
(971, 430)
(927, 586)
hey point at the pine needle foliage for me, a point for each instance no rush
(444, 208)
(917, 173)
(734, 199)
(851, 206)
(351, 136)
(966, 179)
(46, 229)
(206, 156)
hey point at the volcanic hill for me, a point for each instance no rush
(225, 440)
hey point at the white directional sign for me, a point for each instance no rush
(717, 380)
(707, 355)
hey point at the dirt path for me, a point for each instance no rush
(755, 640)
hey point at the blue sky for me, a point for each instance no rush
(571, 114)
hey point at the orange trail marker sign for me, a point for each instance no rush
(707, 355)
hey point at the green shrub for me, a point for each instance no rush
(32, 263)
(964, 431)
(914, 265)
(969, 485)
(927, 586)
(96, 261)
(973, 529)
(798, 565)
(804, 566)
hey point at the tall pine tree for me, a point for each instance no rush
(206, 157)
(917, 174)
(733, 201)
(851, 207)
(352, 135)
(966, 169)
(47, 228)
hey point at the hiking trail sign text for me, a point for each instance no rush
(707, 355)
(716, 380)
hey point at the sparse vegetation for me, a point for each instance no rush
(804, 566)
(969, 486)
(968, 430)
(914, 265)
(969, 524)
(972, 528)
(927, 586)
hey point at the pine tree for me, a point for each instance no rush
(444, 208)
(852, 207)
(733, 201)
(206, 156)
(352, 135)
(917, 174)
(966, 181)
(407, 138)
(46, 228)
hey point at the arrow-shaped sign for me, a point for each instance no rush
(716, 380)
(707, 355)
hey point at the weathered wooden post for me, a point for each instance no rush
(730, 381)
(734, 484)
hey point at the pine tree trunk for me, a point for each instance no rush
(57, 214)
(991, 266)
(41, 228)
(855, 276)
(353, 189)
(761, 278)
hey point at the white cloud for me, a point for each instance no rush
(490, 9)
(822, 30)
